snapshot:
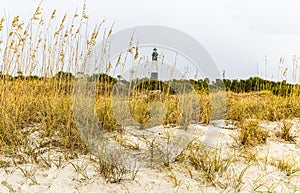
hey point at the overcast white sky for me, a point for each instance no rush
(237, 33)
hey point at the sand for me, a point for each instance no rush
(80, 174)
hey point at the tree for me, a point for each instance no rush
(206, 80)
(61, 75)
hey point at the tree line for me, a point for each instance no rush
(251, 84)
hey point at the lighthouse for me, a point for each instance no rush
(154, 66)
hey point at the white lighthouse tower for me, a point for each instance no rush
(154, 65)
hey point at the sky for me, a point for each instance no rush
(240, 35)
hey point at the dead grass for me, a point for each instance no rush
(287, 165)
(285, 132)
(251, 134)
(211, 162)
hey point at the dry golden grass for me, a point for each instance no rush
(288, 165)
(251, 134)
(285, 132)
(262, 105)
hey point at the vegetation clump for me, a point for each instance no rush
(285, 132)
(251, 134)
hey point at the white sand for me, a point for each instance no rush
(178, 177)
